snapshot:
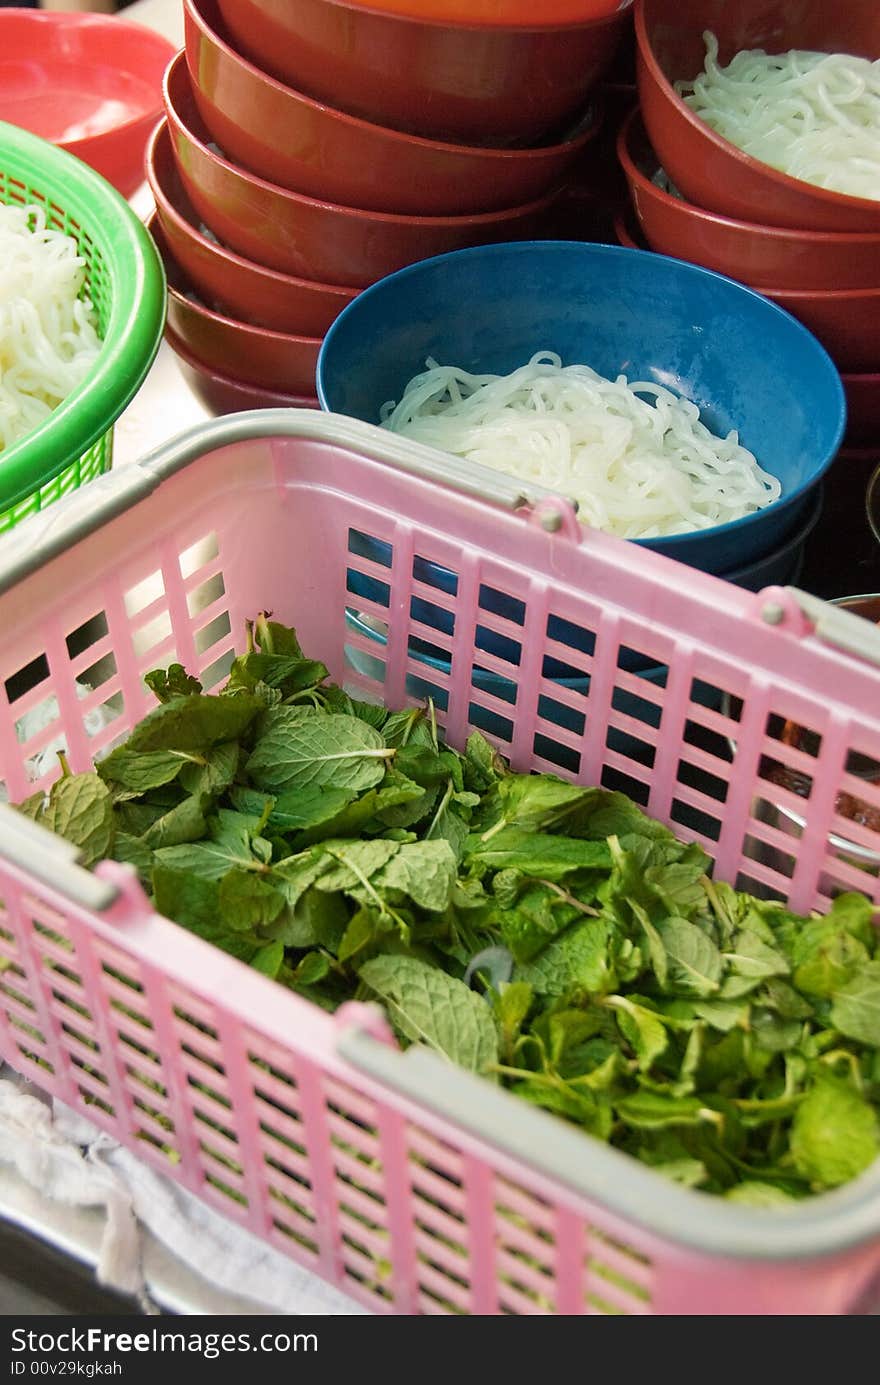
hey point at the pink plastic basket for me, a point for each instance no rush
(415, 1187)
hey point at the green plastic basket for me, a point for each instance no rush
(126, 283)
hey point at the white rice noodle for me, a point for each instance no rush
(48, 341)
(814, 116)
(635, 457)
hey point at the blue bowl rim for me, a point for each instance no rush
(591, 248)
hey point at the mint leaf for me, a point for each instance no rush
(183, 823)
(482, 763)
(287, 672)
(653, 1110)
(80, 808)
(424, 871)
(195, 722)
(694, 962)
(213, 771)
(538, 854)
(268, 959)
(577, 962)
(427, 1006)
(312, 806)
(140, 771)
(131, 851)
(834, 1135)
(641, 1029)
(349, 863)
(248, 902)
(171, 682)
(233, 845)
(723, 1015)
(311, 969)
(591, 1110)
(364, 926)
(753, 1193)
(315, 920)
(274, 638)
(855, 1009)
(33, 806)
(325, 749)
(751, 957)
(193, 901)
(539, 802)
(355, 816)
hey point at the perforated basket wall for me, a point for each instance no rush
(665, 683)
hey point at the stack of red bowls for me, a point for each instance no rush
(311, 148)
(813, 251)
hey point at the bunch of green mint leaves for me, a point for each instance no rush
(548, 935)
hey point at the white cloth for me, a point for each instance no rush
(69, 1160)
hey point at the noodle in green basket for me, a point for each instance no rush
(48, 340)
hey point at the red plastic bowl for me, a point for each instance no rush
(223, 394)
(302, 236)
(710, 171)
(844, 320)
(296, 142)
(444, 80)
(224, 280)
(92, 84)
(863, 410)
(755, 254)
(253, 355)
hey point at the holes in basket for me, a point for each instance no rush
(218, 671)
(205, 594)
(212, 633)
(86, 634)
(619, 1278)
(29, 676)
(144, 593)
(198, 555)
(152, 633)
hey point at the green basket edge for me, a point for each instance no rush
(137, 318)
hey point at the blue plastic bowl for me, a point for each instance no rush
(746, 363)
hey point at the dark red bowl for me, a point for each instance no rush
(756, 254)
(302, 236)
(844, 320)
(710, 171)
(862, 410)
(223, 394)
(252, 355)
(299, 143)
(226, 281)
(445, 81)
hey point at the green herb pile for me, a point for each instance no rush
(545, 934)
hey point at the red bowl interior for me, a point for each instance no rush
(709, 171)
(756, 254)
(440, 79)
(223, 394)
(229, 282)
(299, 143)
(253, 355)
(303, 236)
(91, 84)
